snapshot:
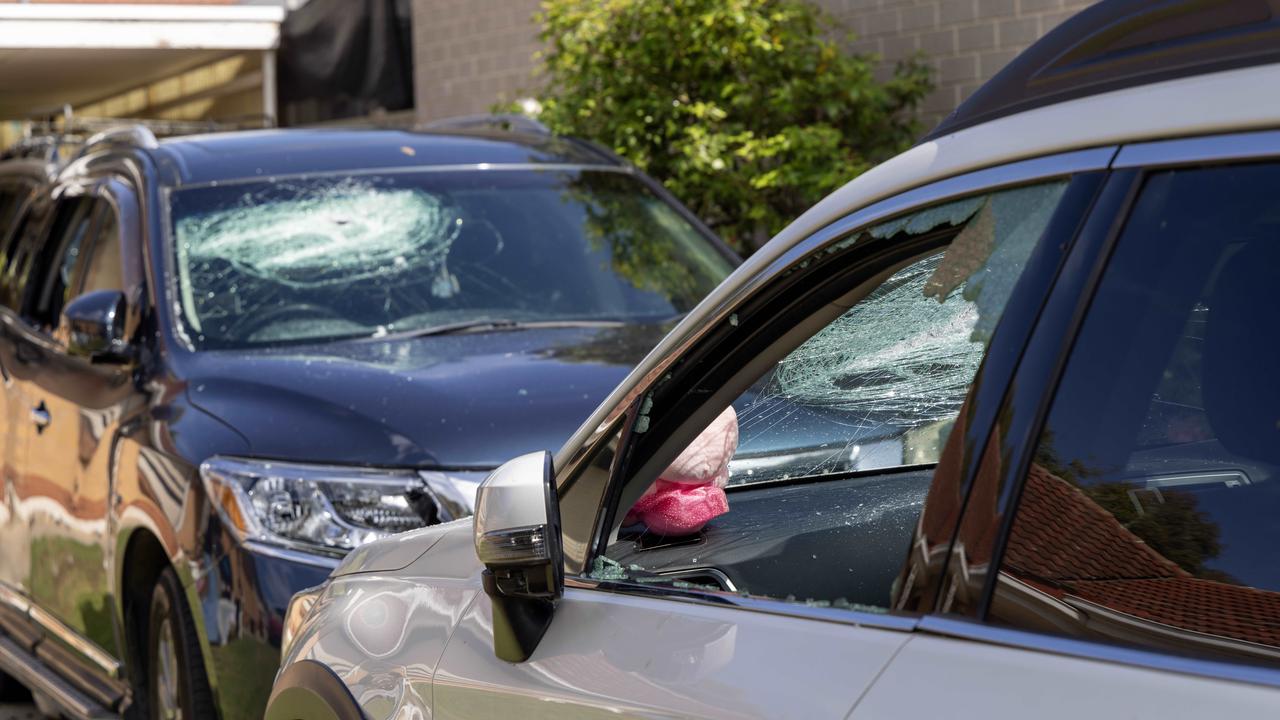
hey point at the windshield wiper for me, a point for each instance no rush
(492, 324)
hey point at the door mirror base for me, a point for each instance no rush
(518, 623)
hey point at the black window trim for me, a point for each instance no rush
(110, 194)
(1024, 172)
(88, 206)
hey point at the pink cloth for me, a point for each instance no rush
(690, 492)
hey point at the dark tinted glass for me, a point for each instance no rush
(58, 259)
(102, 269)
(10, 199)
(358, 256)
(1151, 514)
(23, 249)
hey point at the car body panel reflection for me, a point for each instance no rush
(609, 654)
(980, 680)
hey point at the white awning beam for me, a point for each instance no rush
(53, 53)
(139, 27)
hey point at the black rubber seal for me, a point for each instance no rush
(309, 690)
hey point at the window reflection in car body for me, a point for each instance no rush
(412, 250)
(1171, 508)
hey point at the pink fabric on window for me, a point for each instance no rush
(690, 492)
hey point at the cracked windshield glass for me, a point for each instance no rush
(877, 389)
(330, 257)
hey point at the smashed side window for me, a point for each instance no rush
(880, 386)
(329, 257)
(877, 389)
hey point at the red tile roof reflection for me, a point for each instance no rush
(1065, 544)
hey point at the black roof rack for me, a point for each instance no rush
(57, 135)
(1123, 43)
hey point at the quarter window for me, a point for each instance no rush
(59, 256)
(20, 260)
(809, 485)
(1149, 514)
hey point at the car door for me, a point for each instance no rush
(21, 210)
(827, 399)
(1136, 482)
(63, 474)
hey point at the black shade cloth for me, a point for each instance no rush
(345, 58)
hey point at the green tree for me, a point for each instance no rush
(745, 109)
(1172, 524)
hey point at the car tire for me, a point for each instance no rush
(176, 686)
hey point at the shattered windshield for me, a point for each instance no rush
(330, 257)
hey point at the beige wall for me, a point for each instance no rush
(472, 53)
(967, 41)
(469, 54)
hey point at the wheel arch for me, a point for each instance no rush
(311, 690)
(142, 557)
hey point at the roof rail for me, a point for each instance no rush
(133, 134)
(56, 134)
(505, 121)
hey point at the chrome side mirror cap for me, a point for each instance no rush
(517, 537)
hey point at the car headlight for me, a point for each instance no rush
(331, 509)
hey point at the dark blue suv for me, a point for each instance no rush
(228, 360)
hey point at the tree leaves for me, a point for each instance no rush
(743, 108)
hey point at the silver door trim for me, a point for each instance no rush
(965, 629)
(37, 676)
(69, 637)
(844, 616)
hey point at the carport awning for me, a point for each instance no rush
(51, 54)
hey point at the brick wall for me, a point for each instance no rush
(472, 53)
(469, 54)
(967, 41)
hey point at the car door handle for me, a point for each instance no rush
(40, 416)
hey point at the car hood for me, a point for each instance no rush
(468, 401)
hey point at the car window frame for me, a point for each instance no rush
(109, 192)
(19, 194)
(620, 426)
(86, 209)
(30, 225)
(1047, 354)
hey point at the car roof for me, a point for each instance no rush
(1116, 44)
(198, 159)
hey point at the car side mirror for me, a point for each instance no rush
(96, 324)
(517, 536)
